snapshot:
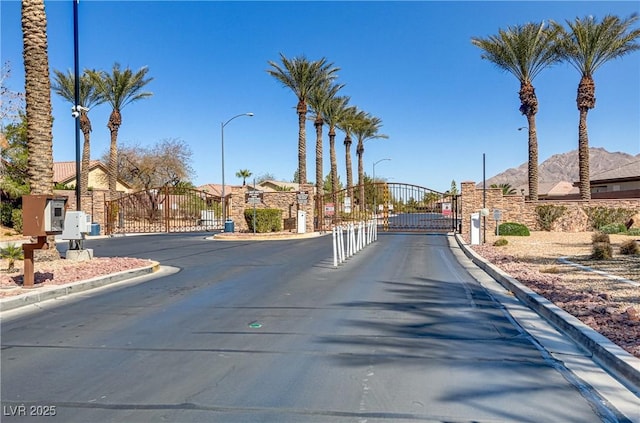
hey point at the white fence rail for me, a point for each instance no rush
(356, 236)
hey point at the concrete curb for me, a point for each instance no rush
(616, 360)
(56, 291)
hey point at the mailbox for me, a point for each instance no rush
(42, 215)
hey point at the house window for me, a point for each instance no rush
(616, 188)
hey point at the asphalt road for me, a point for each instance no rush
(271, 332)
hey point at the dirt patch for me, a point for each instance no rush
(610, 306)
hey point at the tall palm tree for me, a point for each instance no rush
(119, 88)
(587, 46)
(38, 105)
(64, 86)
(333, 114)
(301, 76)
(244, 174)
(524, 51)
(346, 123)
(319, 99)
(365, 128)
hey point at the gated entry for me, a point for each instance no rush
(165, 209)
(395, 207)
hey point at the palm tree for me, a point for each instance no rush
(38, 105)
(319, 99)
(64, 86)
(366, 128)
(524, 51)
(119, 88)
(589, 45)
(244, 174)
(302, 76)
(333, 113)
(507, 189)
(346, 122)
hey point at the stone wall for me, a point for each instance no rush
(515, 208)
(286, 201)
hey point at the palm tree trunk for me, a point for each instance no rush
(38, 107)
(302, 143)
(334, 165)
(583, 156)
(360, 153)
(533, 158)
(115, 120)
(347, 146)
(85, 127)
(38, 98)
(586, 99)
(319, 181)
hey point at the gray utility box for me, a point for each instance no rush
(76, 225)
(42, 215)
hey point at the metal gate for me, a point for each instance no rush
(164, 209)
(394, 206)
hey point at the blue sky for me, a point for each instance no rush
(409, 63)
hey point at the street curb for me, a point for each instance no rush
(51, 292)
(616, 360)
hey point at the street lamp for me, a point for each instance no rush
(222, 125)
(375, 206)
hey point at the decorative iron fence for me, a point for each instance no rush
(164, 209)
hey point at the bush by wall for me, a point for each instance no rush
(267, 220)
(513, 229)
(613, 228)
(547, 215)
(603, 216)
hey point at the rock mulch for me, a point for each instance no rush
(609, 306)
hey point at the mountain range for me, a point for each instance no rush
(564, 167)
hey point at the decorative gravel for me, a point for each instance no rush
(610, 306)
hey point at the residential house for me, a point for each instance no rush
(65, 173)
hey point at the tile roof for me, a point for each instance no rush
(66, 171)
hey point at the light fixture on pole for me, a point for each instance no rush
(375, 206)
(222, 125)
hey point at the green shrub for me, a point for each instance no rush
(267, 220)
(613, 228)
(500, 242)
(601, 251)
(16, 219)
(600, 237)
(513, 229)
(630, 248)
(634, 232)
(5, 214)
(602, 216)
(548, 214)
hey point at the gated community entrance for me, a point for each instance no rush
(394, 206)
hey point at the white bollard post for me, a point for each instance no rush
(335, 248)
(341, 244)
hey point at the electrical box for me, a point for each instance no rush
(43, 215)
(76, 225)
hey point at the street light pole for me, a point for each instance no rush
(375, 206)
(222, 125)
